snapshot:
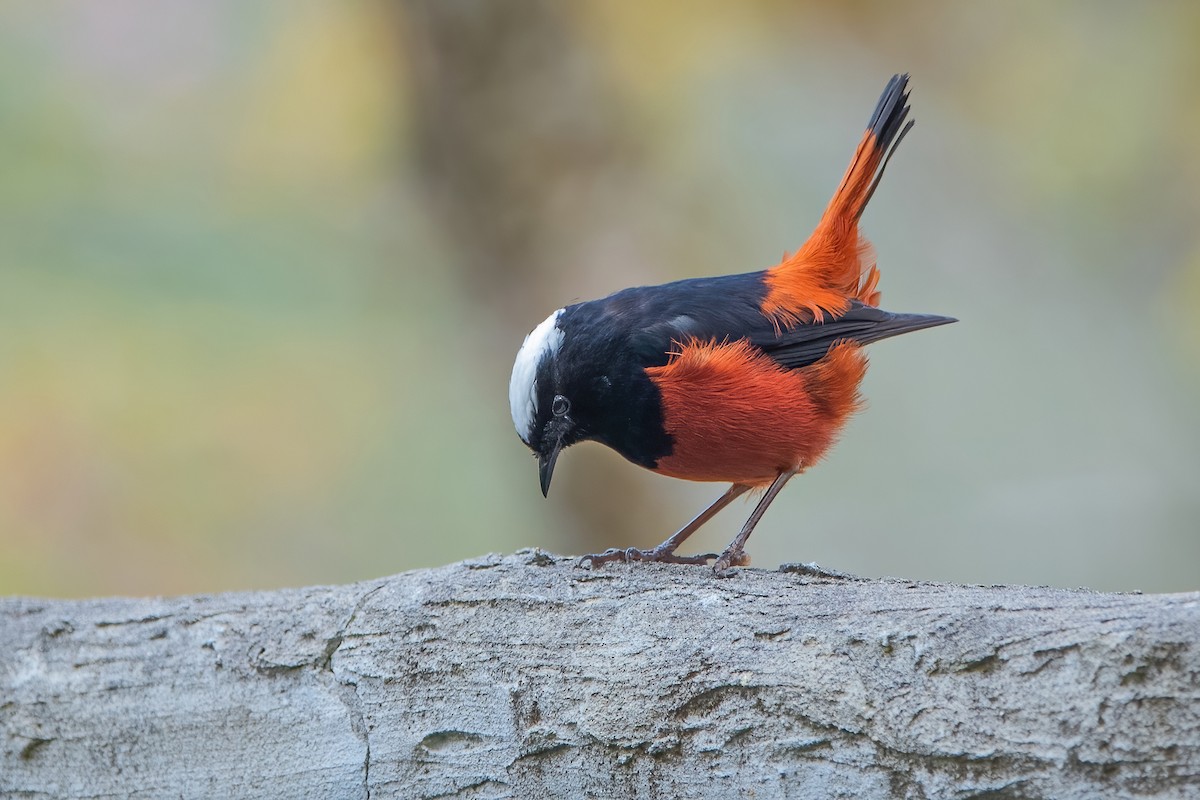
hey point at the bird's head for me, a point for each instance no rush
(540, 396)
(579, 377)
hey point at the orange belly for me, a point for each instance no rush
(737, 416)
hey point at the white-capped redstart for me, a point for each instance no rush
(746, 379)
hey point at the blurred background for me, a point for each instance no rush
(264, 268)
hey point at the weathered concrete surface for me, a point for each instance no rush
(525, 677)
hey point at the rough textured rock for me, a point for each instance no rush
(525, 677)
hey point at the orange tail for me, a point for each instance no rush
(836, 265)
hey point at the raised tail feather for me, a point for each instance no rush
(837, 265)
(885, 131)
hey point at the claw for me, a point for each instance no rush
(728, 560)
(593, 560)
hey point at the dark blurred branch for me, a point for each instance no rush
(510, 113)
(514, 122)
(527, 677)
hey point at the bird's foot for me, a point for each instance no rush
(628, 554)
(728, 560)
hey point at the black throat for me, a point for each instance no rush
(614, 402)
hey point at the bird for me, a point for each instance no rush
(746, 379)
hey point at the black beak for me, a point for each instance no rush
(546, 466)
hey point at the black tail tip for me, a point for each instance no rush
(888, 128)
(891, 110)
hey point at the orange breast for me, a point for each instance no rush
(735, 415)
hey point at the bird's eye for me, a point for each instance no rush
(560, 406)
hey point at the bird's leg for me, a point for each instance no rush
(735, 555)
(665, 552)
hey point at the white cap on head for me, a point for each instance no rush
(541, 343)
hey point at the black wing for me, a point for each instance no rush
(728, 308)
(862, 324)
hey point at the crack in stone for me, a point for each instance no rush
(349, 687)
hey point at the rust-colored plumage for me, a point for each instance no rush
(738, 416)
(836, 264)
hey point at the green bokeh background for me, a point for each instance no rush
(247, 338)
